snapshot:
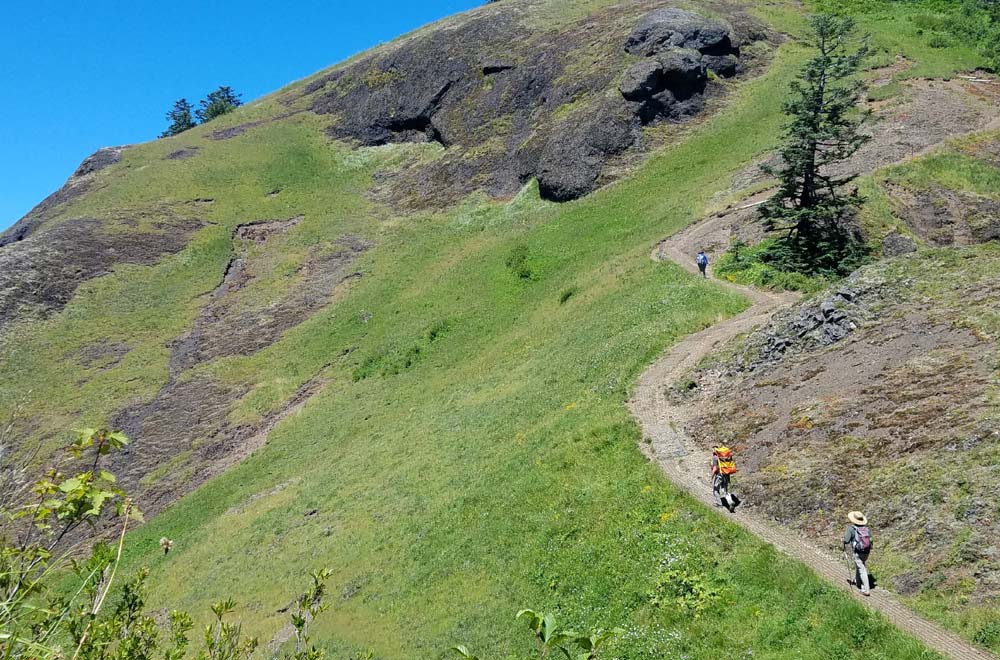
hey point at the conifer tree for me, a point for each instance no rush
(180, 118)
(219, 102)
(811, 204)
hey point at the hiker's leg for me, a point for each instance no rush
(717, 488)
(862, 572)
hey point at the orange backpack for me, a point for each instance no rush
(727, 464)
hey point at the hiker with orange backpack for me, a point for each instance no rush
(858, 542)
(723, 467)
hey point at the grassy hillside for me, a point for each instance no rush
(469, 452)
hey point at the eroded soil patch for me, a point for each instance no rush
(182, 437)
(231, 325)
(43, 272)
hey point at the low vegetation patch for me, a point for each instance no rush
(746, 264)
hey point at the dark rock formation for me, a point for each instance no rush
(818, 323)
(948, 217)
(895, 244)
(681, 47)
(79, 183)
(225, 328)
(510, 103)
(45, 269)
(571, 161)
(669, 27)
(98, 160)
(182, 154)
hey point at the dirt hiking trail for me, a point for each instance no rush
(933, 113)
(662, 417)
(686, 465)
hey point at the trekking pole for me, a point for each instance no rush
(850, 568)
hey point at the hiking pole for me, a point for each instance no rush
(850, 569)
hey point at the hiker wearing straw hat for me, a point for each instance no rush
(858, 542)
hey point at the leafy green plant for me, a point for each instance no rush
(988, 635)
(517, 262)
(692, 591)
(44, 619)
(553, 640)
(394, 361)
(225, 640)
(745, 264)
(307, 607)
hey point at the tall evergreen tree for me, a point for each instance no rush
(180, 118)
(219, 102)
(810, 204)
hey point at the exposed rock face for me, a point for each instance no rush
(100, 159)
(79, 183)
(662, 29)
(189, 415)
(570, 166)
(226, 327)
(45, 269)
(879, 394)
(895, 244)
(556, 107)
(682, 48)
(814, 325)
(946, 217)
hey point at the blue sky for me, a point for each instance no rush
(79, 75)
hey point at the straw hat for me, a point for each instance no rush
(857, 518)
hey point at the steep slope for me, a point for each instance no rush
(484, 103)
(439, 379)
(881, 394)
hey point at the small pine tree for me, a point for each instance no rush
(219, 102)
(810, 204)
(180, 118)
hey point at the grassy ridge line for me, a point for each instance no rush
(501, 469)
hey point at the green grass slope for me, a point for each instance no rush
(471, 453)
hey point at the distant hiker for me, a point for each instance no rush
(702, 260)
(723, 467)
(858, 543)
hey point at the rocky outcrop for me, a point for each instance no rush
(681, 47)
(509, 102)
(669, 27)
(46, 268)
(78, 183)
(947, 217)
(104, 157)
(570, 163)
(896, 244)
(227, 326)
(815, 324)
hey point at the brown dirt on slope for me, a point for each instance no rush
(183, 436)
(925, 114)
